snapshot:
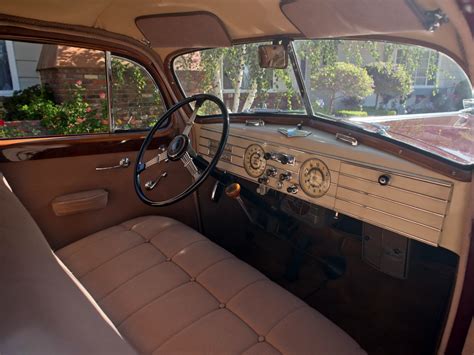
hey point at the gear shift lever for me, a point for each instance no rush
(233, 191)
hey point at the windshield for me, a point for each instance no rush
(234, 75)
(405, 92)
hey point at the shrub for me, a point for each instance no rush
(13, 105)
(344, 79)
(348, 113)
(390, 80)
(74, 116)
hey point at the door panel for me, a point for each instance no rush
(38, 182)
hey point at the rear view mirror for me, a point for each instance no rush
(274, 56)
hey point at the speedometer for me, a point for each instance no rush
(254, 162)
(315, 178)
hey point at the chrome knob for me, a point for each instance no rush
(263, 180)
(271, 172)
(292, 189)
(286, 176)
(384, 180)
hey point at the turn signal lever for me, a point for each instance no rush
(233, 191)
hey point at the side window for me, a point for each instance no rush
(136, 100)
(50, 89)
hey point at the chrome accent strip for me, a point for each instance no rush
(388, 228)
(390, 200)
(108, 82)
(389, 214)
(347, 139)
(392, 187)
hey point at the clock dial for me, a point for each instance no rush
(315, 178)
(254, 162)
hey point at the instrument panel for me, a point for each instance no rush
(405, 202)
(315, 178)
(254, 160)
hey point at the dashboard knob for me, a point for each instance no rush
(263, 180)
(267, 156)
(384, 180)
(271, 171)
(292, 189)
(285, 176)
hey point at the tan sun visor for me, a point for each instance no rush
(335, 18)
(184, 30)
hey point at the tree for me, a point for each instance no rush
(342, 80)
(390, 80)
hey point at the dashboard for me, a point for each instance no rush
(354, 180)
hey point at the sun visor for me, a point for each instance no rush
(184, 30)
(335, 18)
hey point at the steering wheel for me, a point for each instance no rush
(180, 148)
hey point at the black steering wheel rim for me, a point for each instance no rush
(140, 166)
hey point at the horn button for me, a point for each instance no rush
(178, 147)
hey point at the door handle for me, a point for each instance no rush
(123, 163)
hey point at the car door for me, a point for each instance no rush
(72, 121)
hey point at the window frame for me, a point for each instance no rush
(13, 69)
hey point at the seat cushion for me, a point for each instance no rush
(168, 289)
(43, 309)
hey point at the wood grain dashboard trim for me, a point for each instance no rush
(17, 150)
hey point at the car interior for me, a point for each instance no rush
(236, 177)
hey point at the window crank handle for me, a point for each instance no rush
(150, 185)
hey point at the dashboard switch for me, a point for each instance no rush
(384, 180)
(292, 189)
(282, 158)
(286, 176)
(263, 180)
(271, 172)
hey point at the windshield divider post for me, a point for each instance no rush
(299, 79)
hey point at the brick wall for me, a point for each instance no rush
(63, 80)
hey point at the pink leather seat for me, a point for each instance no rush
(168, 289)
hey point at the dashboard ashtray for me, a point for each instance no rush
(294, 132)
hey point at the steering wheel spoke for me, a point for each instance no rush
(163, 156)
(190, 166)
(190, 122)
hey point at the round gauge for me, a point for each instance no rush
(254, 162)
(315, 178)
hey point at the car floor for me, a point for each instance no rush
(385, 315)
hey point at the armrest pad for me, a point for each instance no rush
(80, 202)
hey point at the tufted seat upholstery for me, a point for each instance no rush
(168, 289)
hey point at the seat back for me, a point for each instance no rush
(43, 307)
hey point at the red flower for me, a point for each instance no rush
(88, 109)
(102, 95)
(79, 82)
(2, 123)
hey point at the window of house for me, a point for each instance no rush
(8, 71)
(234, 75)
(62, 90)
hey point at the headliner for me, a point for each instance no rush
(246, 19)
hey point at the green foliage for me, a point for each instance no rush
(379, 112)
(37, 93)
(349, 113)
(343, 79)
(136, 101)
(74, 116)
(10, 132)
(390, 80)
